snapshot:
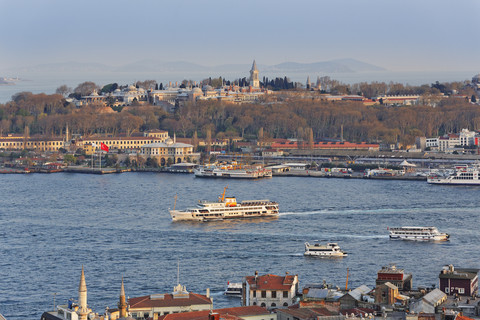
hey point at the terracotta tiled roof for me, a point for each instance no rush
(304, 313)
(460, 317)
(226, 313)
(271, 282)
(168, 301)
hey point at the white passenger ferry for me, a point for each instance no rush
(234, 289)
(226, 208)
(462, 175)
(418, 233)
(328, 250)
(232, 171)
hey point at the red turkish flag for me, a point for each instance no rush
(103, 146)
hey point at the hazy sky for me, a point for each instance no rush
(398, 35)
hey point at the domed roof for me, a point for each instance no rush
(131, 88)
(169, 141)
(117, 90)
(197, 90)
(476, 78)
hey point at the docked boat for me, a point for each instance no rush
(328, 250)
(232, 170)
(226, 208)
(462, 175)
(234, 289)
(418, 234)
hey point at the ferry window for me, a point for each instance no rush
(461, 290)
(264, 294)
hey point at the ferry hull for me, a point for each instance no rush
(188, 216)
(454, 182)
(420, 238)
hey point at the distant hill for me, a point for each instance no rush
(332, 66)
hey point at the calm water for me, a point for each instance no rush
(118, 225)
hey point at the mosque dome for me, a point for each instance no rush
(476, 78)
(197, 90)
(169, 141)
(132, 88)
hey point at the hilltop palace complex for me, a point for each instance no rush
(174, 94)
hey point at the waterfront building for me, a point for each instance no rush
(270, 291)
(123, 143)
(396, 276)
(461, 281)
(36, 143)
(180, 300)
(325, 145)
(448, 142)
(170, 149)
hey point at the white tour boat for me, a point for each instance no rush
(328, 250)
(226, 208)
(418, 233)
(232, 170)
(462, 175)
(234, 289)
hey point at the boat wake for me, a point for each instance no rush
(387, 211)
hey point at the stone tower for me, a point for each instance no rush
(122, 304)
(82, 298)
(254, 82)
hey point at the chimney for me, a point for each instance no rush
(213, 316)
(256, 276)
(208, 293)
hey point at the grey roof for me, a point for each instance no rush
(434, 297)
(317, 293)
(358, 292)
(166, 145)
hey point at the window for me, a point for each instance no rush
(254, 293)
(285, 304)
(274, 294)
(461, 290)
(264, 294)
(285, 294)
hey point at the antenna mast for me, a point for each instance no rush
(178, 272)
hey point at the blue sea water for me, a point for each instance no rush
(118, 225)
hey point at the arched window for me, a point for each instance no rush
(285, 304)
(254, 303)
(263, 305)
(274, 304)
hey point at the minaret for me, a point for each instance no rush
(66, 134)
(82, 298)
(122, 304)
(308, 84)
(254, 82)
